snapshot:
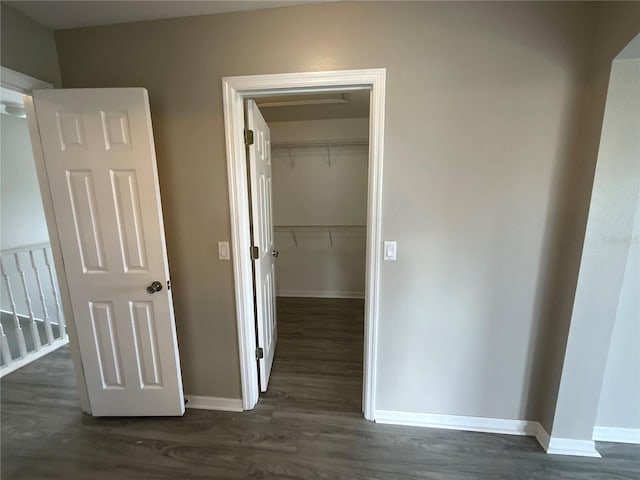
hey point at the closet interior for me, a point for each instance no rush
(319, 152)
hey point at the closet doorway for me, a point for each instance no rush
(237, 91)
(308, 170)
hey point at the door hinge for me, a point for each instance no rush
(259, 353)
(248, 137)
(168, 284)
(255, 253)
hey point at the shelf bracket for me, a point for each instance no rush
(331, 238)
(293, 235)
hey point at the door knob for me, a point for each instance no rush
(275, 253)
(154, 287)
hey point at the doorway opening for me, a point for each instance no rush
(32, 322)
(319, 143)
(236, 91)
(96, 168)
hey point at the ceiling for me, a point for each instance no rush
(315, 107)
(60, 15)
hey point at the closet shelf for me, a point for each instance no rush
(324, 144)
(318, 228)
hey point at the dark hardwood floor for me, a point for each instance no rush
(307, 426)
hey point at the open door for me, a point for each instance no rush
(264, 254)
(101, 169)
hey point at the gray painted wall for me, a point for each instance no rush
(611, 216)
(620, 397)
(617, 25)
(482, 105)
(22, 219)
(28, 47)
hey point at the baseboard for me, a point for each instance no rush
(553, 446)
(319, 294)
(618, 435)
(565, 446)
(457, 422)
(214, 403)
(542, 436)
(569, 446)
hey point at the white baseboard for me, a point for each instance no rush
(319, 294)
(618, 435)
(214, 403)
(542, 436)
(554, 446)
(457, 422)
(565, 446)
(569, 446)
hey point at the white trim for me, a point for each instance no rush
(25, 248)
(542, 436)
(235, 90)
(241, 240)
(319, 294)
(569, 446)
(19, 82)
(618, 435)
(214, 403)
(565, 446)
(25, 84)
(458, 422)
(32, 356)
(553, 446)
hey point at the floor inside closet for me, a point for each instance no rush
(318, 360)
(307, 426)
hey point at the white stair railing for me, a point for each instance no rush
(45, 313)
(56, 292)
(35, 335)
(16, 322)
(28, 306)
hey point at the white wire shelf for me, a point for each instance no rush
(323, 143)
(328, 144)
(330, 229)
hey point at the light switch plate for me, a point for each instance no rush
(223, 251)
(390, 250)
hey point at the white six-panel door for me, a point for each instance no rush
(101, 168)
(262, 222)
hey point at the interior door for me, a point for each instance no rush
(101, 168)
(262, 223)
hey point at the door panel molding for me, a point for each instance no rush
(235, 90)
(111, 230)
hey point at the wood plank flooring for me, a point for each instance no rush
(307, 426)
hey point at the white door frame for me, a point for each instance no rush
(25, 84)
(235, 90)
